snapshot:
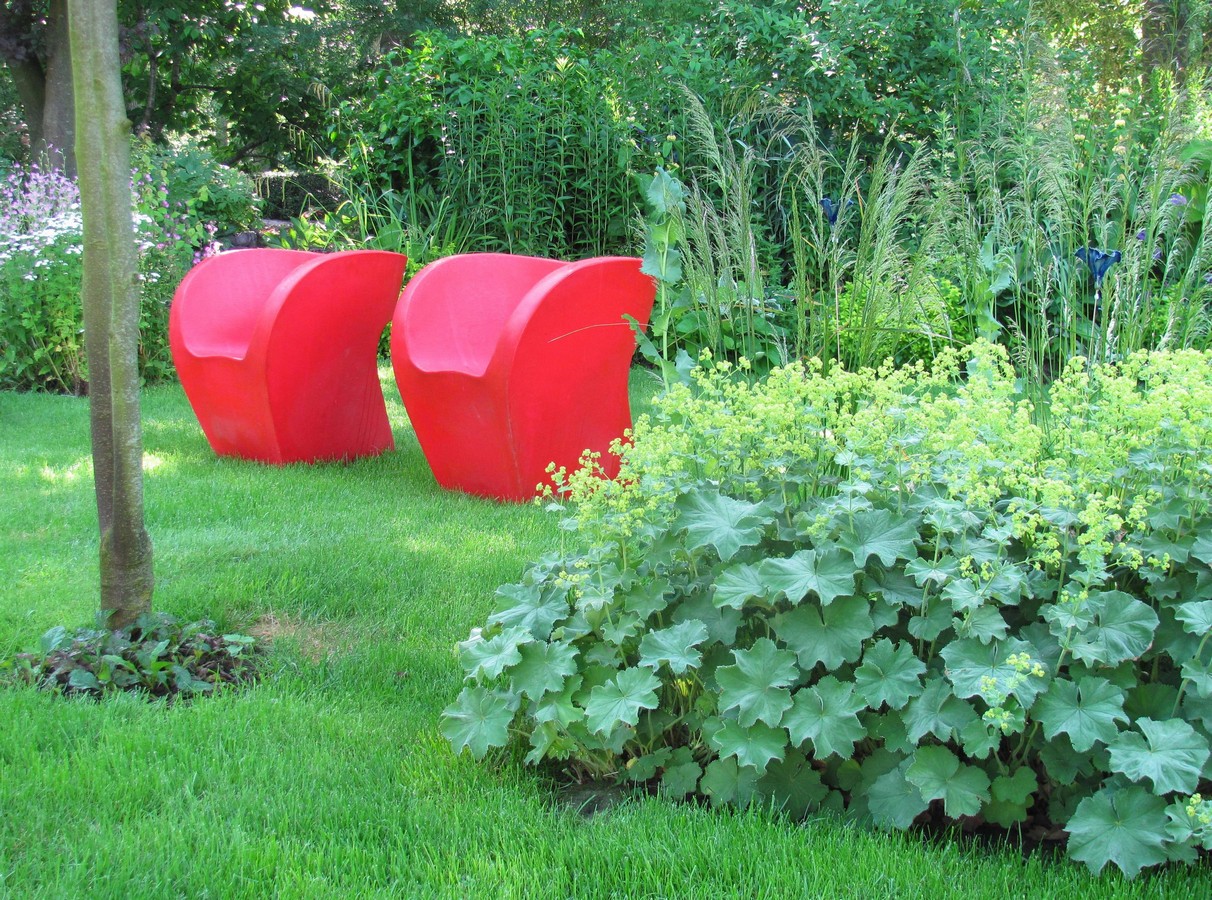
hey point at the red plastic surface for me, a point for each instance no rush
(276, 350)
(509, 363)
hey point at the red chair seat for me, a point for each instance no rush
(508, 363)
(277, 351)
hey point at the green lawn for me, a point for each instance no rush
(330, 778)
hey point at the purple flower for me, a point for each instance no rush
(1140, 235)
(1157, 254)
(1208, 278)
(1178, 200)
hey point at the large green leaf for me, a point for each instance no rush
(753, 747)
(725, 523)
(828, 575)
(621, 699)
(721, 622)
(827, 715)
(893, 800)
(478, 719)
(727, 782)
(889, 674)
(985, 624)
(489, 658)
(1170, 754)
(674, 646)
(937, 711)
(1010, 796)
(1086, 711)
(530, 606)
(739, 584)
(793, 784)
(681, 775)
(832, 635)
(1123, 629)
(559, 706)
(756, 687)
(939, 571)
(1126, 827)
(879, 533)
(543, 668)
(1200, 676)
(1196, 616)
(978, 669)
(939, 775)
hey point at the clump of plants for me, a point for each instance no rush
(157, 656)
(904, 595)
(41, 260)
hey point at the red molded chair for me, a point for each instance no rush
(509, 363)
(276, 350)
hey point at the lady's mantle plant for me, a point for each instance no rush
(898, 594)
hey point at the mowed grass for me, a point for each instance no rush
(330, 778)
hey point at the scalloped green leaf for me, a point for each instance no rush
(725, 782)
(1196, 616)
(985, 624)
(976, 669)
(559, 706)
(721, 622)
(831, 635)
(543, 668)
(939, 571)
(1010, 796)
(828, 575)
(478, 719)
(681, 775)
(826, 714)
(1086, 711)
(1200, 676)
(928, 625)
(756, 686)
(714, 520)
(1170, 754)
(531, 606)
(620, 699)
(739, 584)
(754, 746)
(939, 775)
(674, 646)
(793, 785)
(647, 596)
(879, 533)
(493, 656)
(1123, 629)
(1125, 827)
(937, 711)
(893, 800)
(889, 674)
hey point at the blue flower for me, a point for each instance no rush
(832, 208)
(1178, 200)
(1098, 261)
(1140, 235)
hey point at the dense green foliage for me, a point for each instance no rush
(897, 593)
(183, 201)
(329, 777)
(157, 655)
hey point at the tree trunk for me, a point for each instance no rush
(59, 115)
(111, 311)
(30, 82)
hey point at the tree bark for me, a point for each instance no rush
(30, 82)
(59, 115)
(111, 311)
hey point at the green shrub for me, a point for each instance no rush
(905, 596)
(213, 200)
(157, 655)
(41, 323)
(525, 136)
